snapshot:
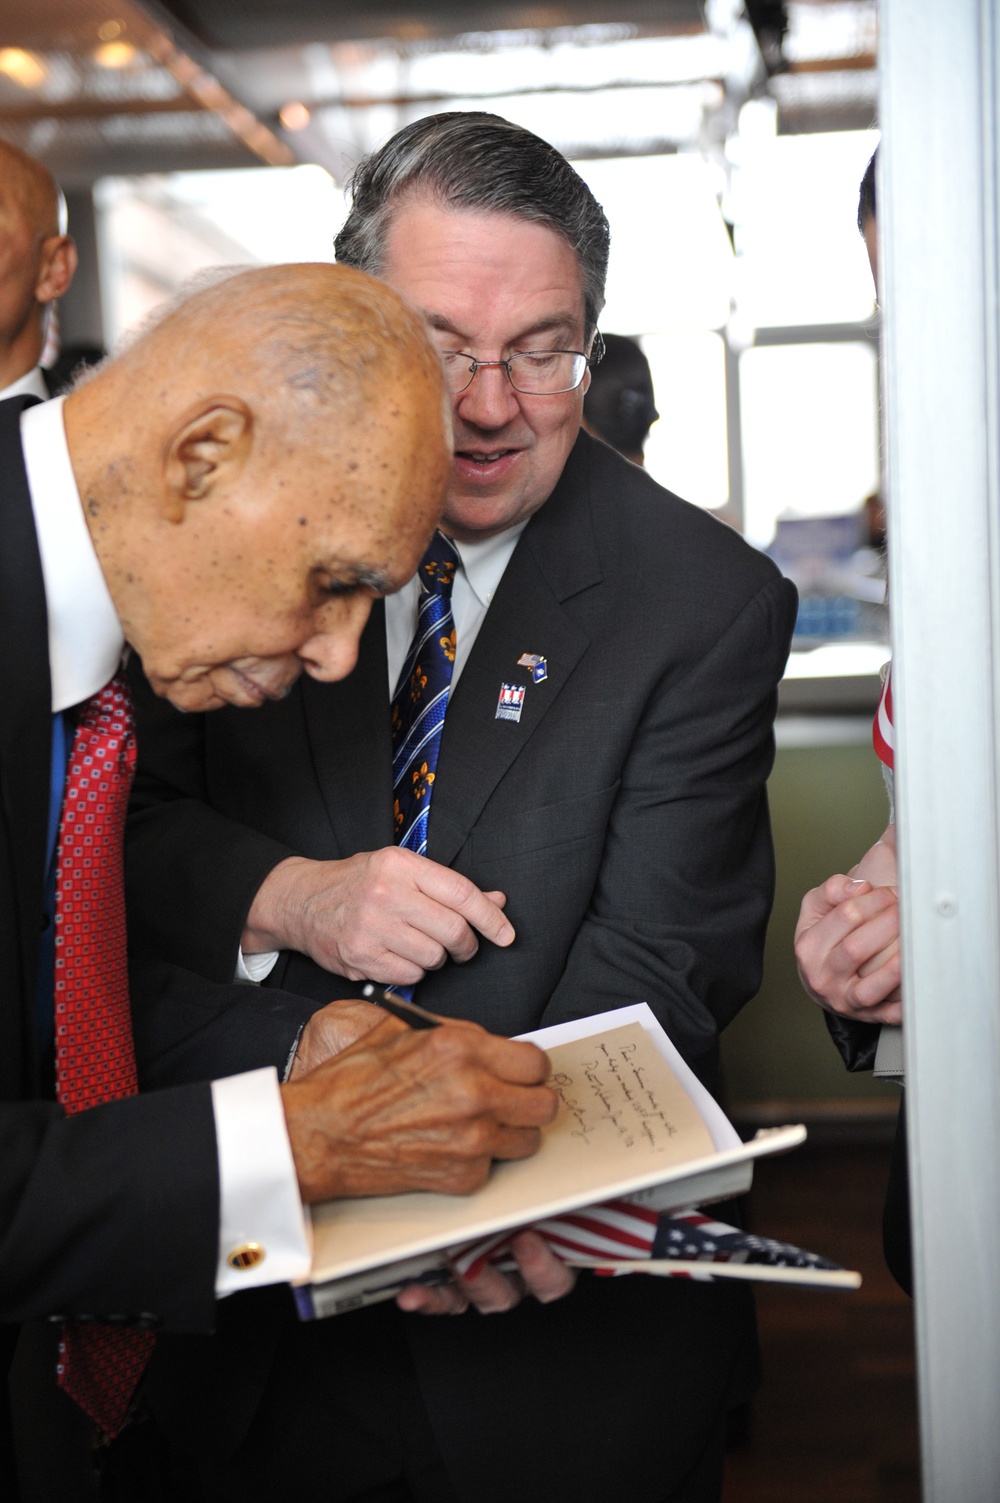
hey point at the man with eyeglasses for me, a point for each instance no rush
(556, 740)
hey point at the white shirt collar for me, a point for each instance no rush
(481, 569)
(31, 385)
(85, 639)
(484, 562)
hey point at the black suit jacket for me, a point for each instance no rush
(625, 817)
(858, 1044)
(114, 1210)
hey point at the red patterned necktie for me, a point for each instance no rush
(99, 1366)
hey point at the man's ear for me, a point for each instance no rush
(211, 444)
(57, 265)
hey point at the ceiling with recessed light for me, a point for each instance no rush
(96, 87)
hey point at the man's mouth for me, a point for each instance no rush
(485, 466)
(483, 459)
(272, 687)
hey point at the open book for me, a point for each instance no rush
(634, 1124)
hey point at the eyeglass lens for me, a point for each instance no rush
(534, 372)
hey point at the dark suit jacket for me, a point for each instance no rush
(624, 816)
(114, 1210)
(858, 1043)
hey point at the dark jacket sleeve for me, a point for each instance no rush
(187, 1029)
(857, 1042)
(191, 873)
(113, 1211)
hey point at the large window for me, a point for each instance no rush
(687, 450)
(741, 273)
(670, 283)
(157, 232)
(809, 432)
(801, 258)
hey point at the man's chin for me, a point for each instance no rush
(471, 518)
(223, 686)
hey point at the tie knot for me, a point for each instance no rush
(110, 709)
(438, 565)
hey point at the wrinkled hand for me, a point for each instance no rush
(388, 916)
(540, 1273)
(847, 939)
(406, 1109)
(330, 1031)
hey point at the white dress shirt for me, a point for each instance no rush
(479, 572)
(31, 385)
(259, 1193)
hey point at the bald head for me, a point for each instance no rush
(37, 259)
(254, 468)
(293, 338)
(36, 189)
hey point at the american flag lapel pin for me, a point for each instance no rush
(511, 701)
(537, 665)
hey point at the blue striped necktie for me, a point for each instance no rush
(421, 698)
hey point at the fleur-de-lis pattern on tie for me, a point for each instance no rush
(99, 1366)
(421, 698)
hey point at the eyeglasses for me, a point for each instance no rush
(535, 373)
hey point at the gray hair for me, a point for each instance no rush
(472, 160)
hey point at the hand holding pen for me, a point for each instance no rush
(425, 1104)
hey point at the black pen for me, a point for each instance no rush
(406, 1012)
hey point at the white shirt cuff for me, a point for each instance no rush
(255, 968)
(263, 1226)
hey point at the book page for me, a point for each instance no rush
(617, 1100)
(724, 1135)
(624, 1121)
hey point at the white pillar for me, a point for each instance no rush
(937, 213)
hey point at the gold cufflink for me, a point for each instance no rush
(247, 1255)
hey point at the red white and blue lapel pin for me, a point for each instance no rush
(511, 701)
(539, 666)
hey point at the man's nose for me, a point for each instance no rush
(332, 651)
(490, 401)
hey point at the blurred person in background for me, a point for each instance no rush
(37, 262)
(847, 936)
(618, 406)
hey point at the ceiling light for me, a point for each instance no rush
(115, 54)
(294, 116)
(110, 30)
(23, 67)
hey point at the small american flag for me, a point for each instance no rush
(883, 735)
(693, 1236)
(605, 1237)
(613, 1230)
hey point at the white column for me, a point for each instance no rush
(939, 288)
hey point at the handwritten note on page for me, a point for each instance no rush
(624, 1122)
